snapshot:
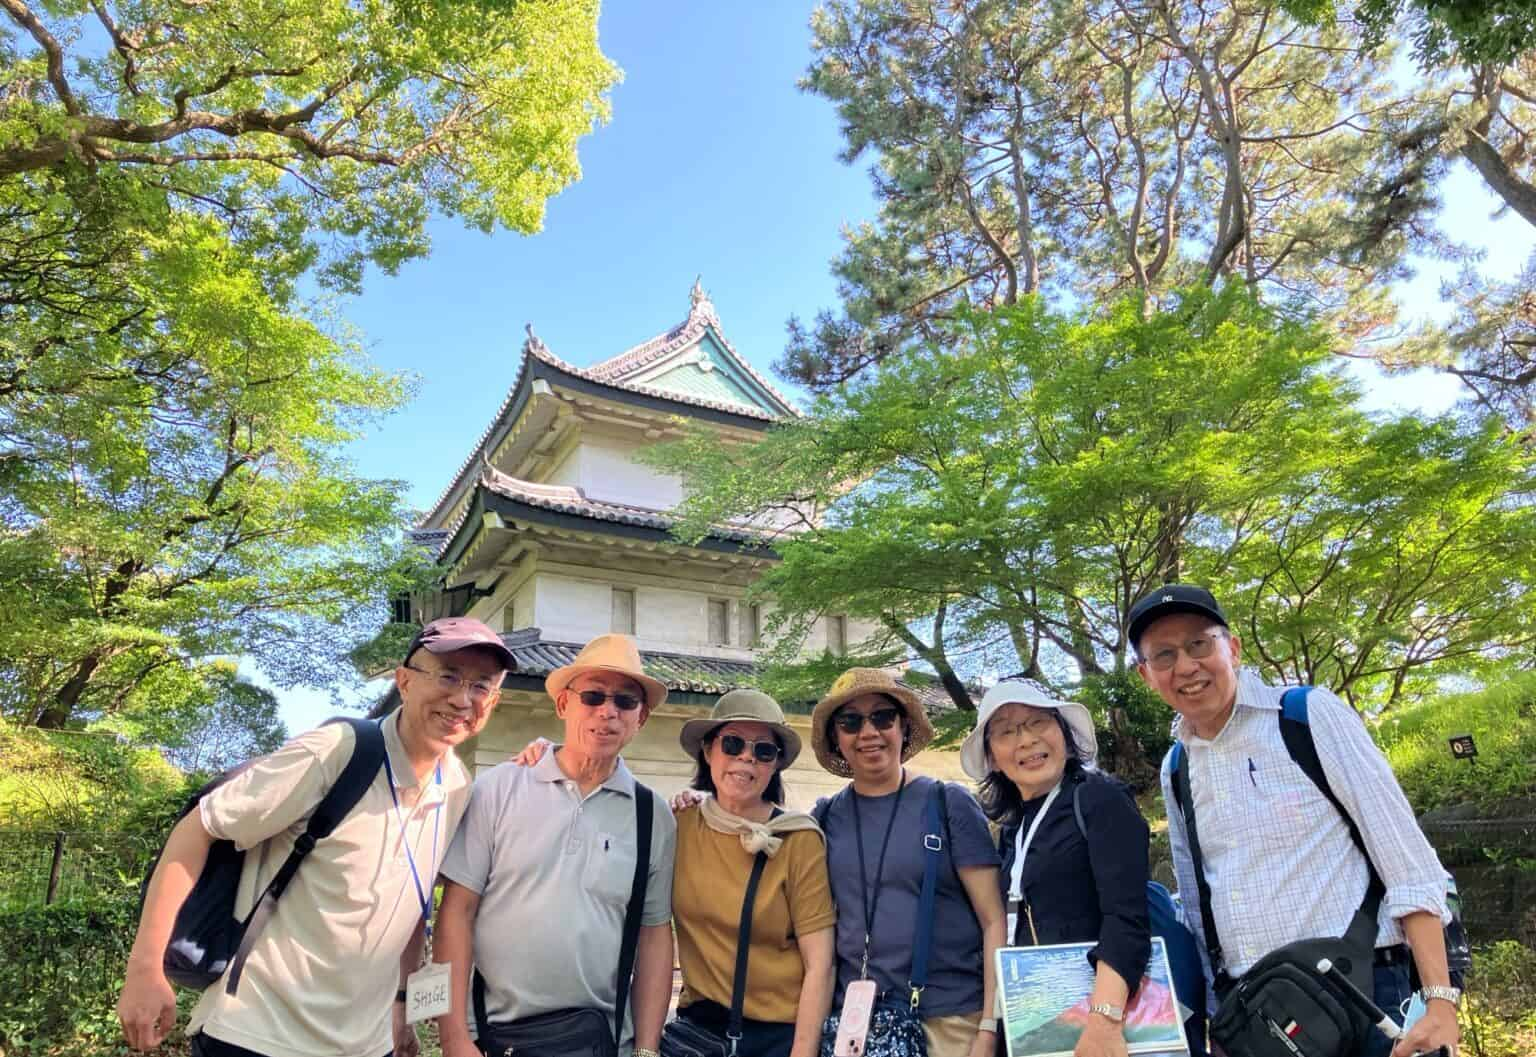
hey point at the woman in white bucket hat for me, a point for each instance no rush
(1074, 844)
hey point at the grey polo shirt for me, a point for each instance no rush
(553, 871)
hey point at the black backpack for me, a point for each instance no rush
(207, 937)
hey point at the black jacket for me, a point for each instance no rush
(1086, 890)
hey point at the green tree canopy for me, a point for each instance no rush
(1019, 483)
(177, 180)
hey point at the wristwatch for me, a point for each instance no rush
(987, 1024)
(1447, 994)
(400, 995)
(639, 1052)
(1104, 1009)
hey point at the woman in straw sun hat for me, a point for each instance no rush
(739, 752)
(866, 728)
(1034, 757)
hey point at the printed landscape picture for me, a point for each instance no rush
(1045, 1002)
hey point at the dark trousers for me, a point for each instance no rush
(759, 1038)
(208, 1046)
(1390, 992)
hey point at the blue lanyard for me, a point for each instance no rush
(405, 839)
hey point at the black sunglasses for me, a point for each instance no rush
(850, 722)
(622, 702)
(762, 751)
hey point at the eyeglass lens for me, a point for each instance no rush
(853, 722)
(1195, 649)
(762, 751)
(621, 701)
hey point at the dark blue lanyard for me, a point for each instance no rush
(422, 895)
(871, 903)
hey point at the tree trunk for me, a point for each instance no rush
(58, 711)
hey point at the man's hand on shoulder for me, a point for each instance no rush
(147, 1006)
(532, 753)
(1436, 1028)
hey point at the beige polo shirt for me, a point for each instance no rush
(553, 870)
(320, 979)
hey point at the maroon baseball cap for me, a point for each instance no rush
(460, 633)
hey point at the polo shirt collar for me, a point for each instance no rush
(621, 781)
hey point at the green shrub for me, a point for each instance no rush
(61, 968)
(79, 780)
(1499, 1016)
(1502, 719)
(1133, 724)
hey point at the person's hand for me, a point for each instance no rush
(984, 1044)
(686, 799)
(407, 1042)
(532, 753)
(1101, 1038)
(1436, 1028)
(455, 1041)
(147, 1006)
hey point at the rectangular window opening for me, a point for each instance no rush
(623, 610)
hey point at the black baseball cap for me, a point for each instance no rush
(1170, 599)
(448, 634)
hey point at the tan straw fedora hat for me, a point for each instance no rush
(856, 682)
(746, 705)
(608, 653)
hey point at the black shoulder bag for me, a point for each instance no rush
(682, 1037)
(1282, 1006)
(577, 1032)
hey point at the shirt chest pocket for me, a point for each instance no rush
(610, 869)
(1284, 792)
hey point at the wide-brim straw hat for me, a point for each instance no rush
(608, 653)
(856, 682)
(973, 752)
(745, 706)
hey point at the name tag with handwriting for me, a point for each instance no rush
(427, 993)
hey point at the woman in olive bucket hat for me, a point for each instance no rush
(739, 752)
(866, 728)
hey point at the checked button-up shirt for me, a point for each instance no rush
(1278, 858)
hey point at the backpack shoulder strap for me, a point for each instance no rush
(368, 754)
(1077, 809)
(1296, 732)
(645, 815)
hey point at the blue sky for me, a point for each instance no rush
(714, 164)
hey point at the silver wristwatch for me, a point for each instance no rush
(1104, 1009)
(1448, 994)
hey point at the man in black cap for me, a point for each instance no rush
(1278, 856)
(348, 929)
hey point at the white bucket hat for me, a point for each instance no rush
(973, 753)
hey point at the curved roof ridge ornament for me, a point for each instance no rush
(533, 343)
(700, 306)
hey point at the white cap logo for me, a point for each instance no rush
(1167, 598)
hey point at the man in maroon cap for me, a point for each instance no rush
(320, 974)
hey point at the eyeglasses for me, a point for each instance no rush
(850, 722)
(451, 682)
(1037, 724)
(762, 751)
(1196, 648)
(621, 701)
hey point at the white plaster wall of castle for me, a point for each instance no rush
(667, 619)
(605, 467)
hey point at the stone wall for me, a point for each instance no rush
(1494, 860)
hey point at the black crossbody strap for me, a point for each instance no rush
(644, 815)
(743, 948)
(1186, 802)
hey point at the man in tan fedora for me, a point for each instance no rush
(541, 877)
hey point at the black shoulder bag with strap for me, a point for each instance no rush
(207, 938)
(684, 1038)
(577, 1032)
(1282, 1006)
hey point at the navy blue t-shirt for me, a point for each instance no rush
(954, 967)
